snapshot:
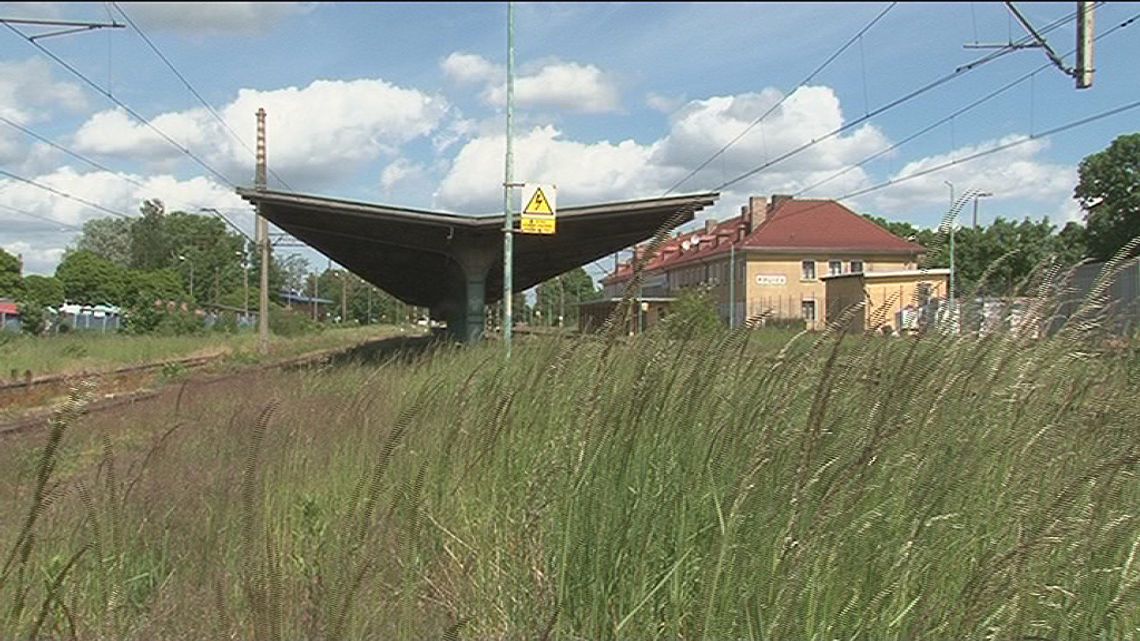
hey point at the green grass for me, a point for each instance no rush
(87, 352)
(831, 487)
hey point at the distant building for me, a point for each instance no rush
(895, 302)
(9, 315)
(772, 258)
(98, 318)
(315, 307)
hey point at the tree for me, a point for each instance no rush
(150, 248)
(90, 279)
(295, 271)
(109, 238)
(44, 290)
(560, 296)
(9, 275)
(1108, 189)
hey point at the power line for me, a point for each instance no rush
(786, 96)
(209, 108)
(89, 161)
(64, 194)
(40, 217)
(67, 151)
(121, 104)
(957, 113)
(858, 121)
(987, 152)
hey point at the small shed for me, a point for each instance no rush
(901, 301)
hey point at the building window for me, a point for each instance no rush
(809, 270)
(856, 267)
(835, 267)
(808, 309)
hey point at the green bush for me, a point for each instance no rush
(286, 322)
(32, 318)
(692, 314)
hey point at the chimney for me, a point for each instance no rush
(777, 200)
(753, 214)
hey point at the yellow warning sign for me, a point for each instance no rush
(538, 225)
(539, 212)
(538, 204)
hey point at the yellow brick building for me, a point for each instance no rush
(769, 262)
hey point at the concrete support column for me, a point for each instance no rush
(475, 263)
(474, 316)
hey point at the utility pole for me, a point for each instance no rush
(508, 183)
(953, 223)
(732, 284)
(343, 297)
(980, 194)
(262, 241)
(1085, 37)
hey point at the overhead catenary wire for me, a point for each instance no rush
(101, 167)
(857, 121)
(1021, 141)
(190, 87)
(64, 194)
(857, 37)
(958, 112)
(124, 106)
(40, 217)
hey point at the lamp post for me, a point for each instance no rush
(191, 263)
(950, 294)
(244, 284)
(980, 194)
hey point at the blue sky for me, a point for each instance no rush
(403, 104)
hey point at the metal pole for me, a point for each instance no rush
(732, 285)
(508, 219)
(262, 242)
(952, 225)
(1085, 30)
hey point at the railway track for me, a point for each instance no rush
(32, 392)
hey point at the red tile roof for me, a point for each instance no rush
(795, 226)
(9, 309)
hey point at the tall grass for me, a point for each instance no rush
(833, 487)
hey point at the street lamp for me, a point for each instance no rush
(191, 263)
(244, 283)
(953, 223)
(980, 194)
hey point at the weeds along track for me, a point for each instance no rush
(139, 381)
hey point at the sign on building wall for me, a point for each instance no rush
(771, 280)
(539, 208)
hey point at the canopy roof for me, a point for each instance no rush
(421, 256)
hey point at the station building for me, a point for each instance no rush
(770, 262)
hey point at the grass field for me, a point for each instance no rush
(89, 352)
(829, 487)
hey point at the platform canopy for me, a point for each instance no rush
(448, 262)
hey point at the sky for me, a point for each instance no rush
(404, 104)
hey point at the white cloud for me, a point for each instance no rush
(704, 127)
(398, 171)
(314, 134)
(28, 93)
(112, 192)
(588, 172)
(664, 104)
(569, 86)
(37, 259)
(583, 172)
(562, 85)
(1014, 174)
(214, 17)
(466, 68)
